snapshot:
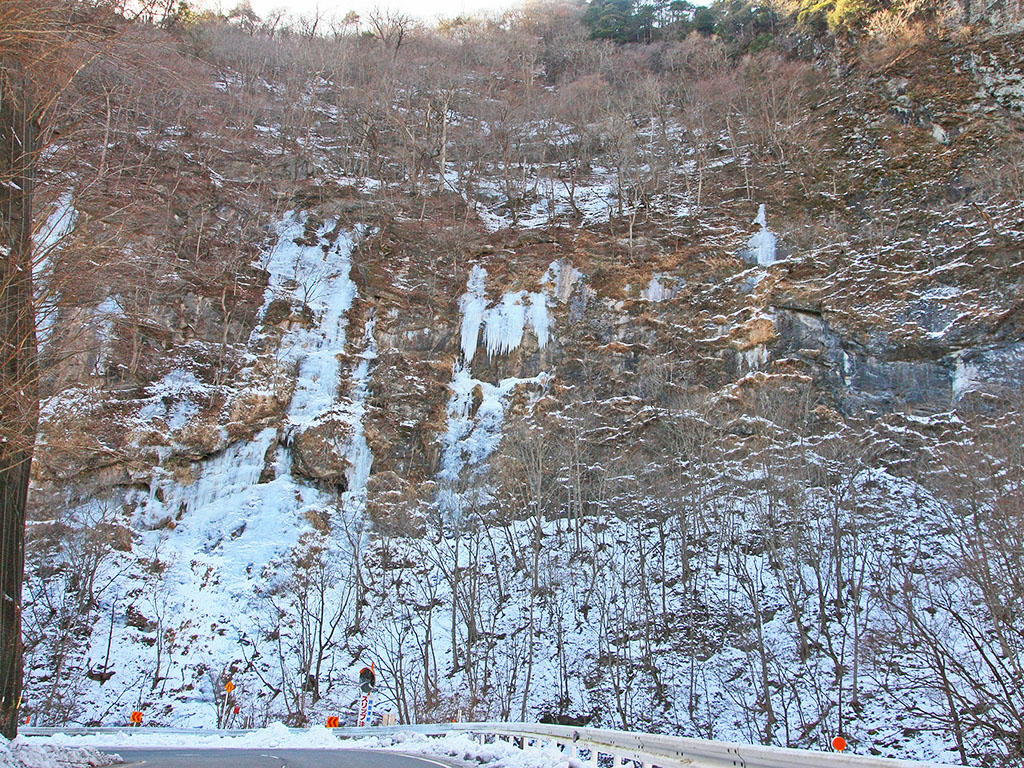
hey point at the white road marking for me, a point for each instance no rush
(424, 759)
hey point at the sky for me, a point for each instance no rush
(423, 9)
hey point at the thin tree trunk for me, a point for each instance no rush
(19, 403)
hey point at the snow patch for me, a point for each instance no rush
(25, 753)
(174, 398)
(499, 754)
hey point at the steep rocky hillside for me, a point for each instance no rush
(645, 386)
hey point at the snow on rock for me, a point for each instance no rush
(174, 398)
(561, 278)
(26, 753)
(761, 246)
(661, 288)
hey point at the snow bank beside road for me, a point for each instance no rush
(498, 755)
(274, 736)
(23, 753)
(277, 736)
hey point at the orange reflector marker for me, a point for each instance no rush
(229, 687)
(839, 743)
(137, 717)
(333, 721)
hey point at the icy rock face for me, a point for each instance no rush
(980, 368)
(58, 226)
(661, 288)
(761, 247)
(863, 376)
(473, 305)
(560, 279)
(472, 434)
(322, 430)
(225, 525)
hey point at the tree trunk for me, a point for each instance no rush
(19, 403)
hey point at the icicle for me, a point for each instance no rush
(539, 318)
(473, 304)
(504, 325)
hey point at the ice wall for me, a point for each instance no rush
(472, 435)
(762, 244)
(224, 527)
(48, 239)
(473, 305)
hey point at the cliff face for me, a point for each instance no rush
(728, 452)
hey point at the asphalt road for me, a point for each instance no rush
(270, 758)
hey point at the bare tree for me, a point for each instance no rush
(390, 27)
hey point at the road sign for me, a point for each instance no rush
(333, 721)
(839, 743)
(137, 717)
(367, 679)
(229, 687)
(238, 709)
(364, 706)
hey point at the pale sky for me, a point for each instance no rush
(423, 9)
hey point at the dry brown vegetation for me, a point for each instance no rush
(686, 453)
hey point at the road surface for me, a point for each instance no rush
(269, 758)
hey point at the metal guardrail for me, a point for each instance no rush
(585, 744)
(680, 752)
